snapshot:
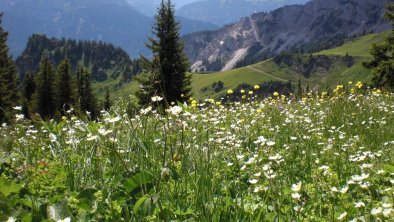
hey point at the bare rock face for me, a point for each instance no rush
(315, 25)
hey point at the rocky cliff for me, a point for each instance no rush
(315, 25)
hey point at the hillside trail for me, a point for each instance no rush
(267, 74)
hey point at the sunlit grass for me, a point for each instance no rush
(316, 158)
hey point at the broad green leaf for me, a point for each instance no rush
(26, 202)
(8, 186)
(137, 180)
(84, 204)
(27, 218)
(87, 194)
(139, 203)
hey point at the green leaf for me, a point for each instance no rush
(26, 202)
(85, 218)
(139, 203)
(87, 194)
(183, 213)
(270, 216)
(84, 204)
(8, 186)
(27, 217)
(137, 180)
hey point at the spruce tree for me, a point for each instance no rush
(167, 70)
(44, 103)
(87, 99)
(29, 88)
(66, 88)
(107, 102)
(382, 63)
(9, 94)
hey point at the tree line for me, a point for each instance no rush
(55, 93)
(50, 92)
(104, 60)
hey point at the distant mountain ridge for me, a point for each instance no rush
(221, 12)
(301, 27)
(114, 21)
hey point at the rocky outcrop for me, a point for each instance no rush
(315, 25)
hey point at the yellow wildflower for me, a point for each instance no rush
(377, 92)
(359, 85)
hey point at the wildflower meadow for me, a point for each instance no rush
(317, 158)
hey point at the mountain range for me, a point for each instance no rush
(113, 21)
(316, 25)
(149, 7)
(221, 12)
(124, 23)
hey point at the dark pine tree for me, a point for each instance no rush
(107, 102)
(382, 63)
(167, 71)
(44, 103)
(87, 99)
(66, 88)
(9, 93)
(29, 88)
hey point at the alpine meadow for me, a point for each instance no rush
(286, 114)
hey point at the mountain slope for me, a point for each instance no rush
(102, 59)
(315, 25)
(328, 68)
(221, 12)
(113, 21)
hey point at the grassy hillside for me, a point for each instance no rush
(358, 47)
(269, 70)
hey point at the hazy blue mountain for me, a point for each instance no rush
(113, 21)
(221, 12)
(148, 7)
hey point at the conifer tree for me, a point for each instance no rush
(29, 87)
(167, 71)
(87, 99)
(382, 63)
(66, 88)
(107, 102)
(9, 94)
(44, 103)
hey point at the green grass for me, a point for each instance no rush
(268, 70)
(231, 79)
(115, 92)
(318, 159)
(358, 47)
